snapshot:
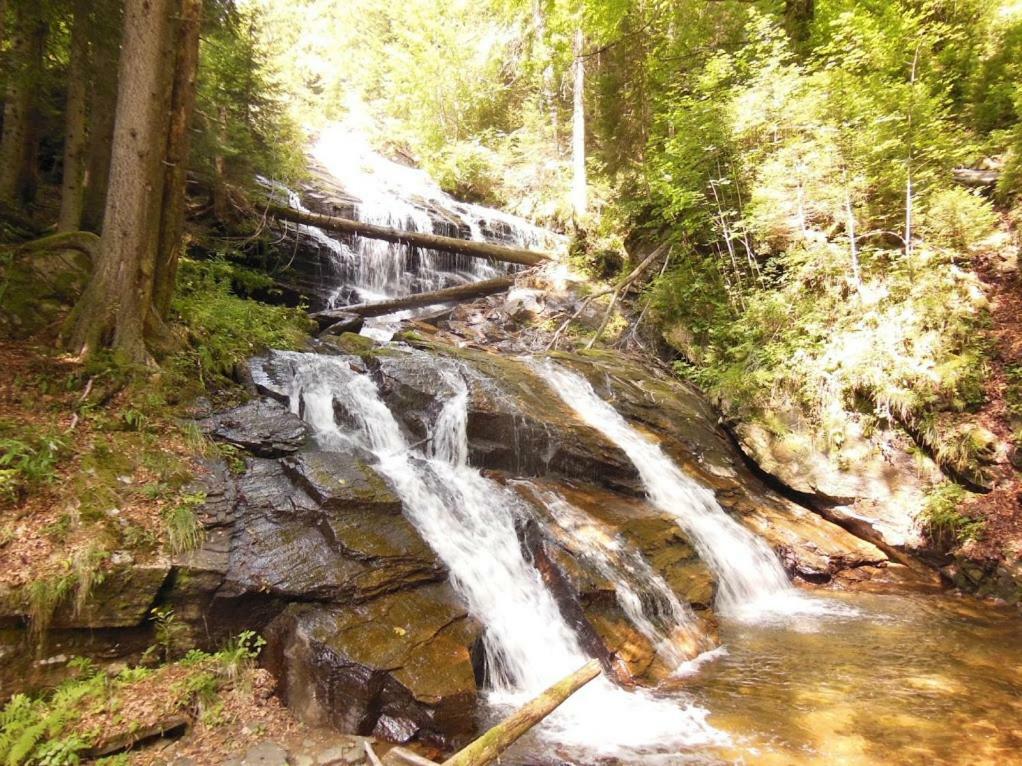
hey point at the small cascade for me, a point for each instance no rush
(470, 521)
(379, 191)
(751, 579)
(641, 592)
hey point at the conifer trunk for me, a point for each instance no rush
(178, 144)
(106, 47)
(72, 195)
(115, 305)
(578, 132)
(20, 131)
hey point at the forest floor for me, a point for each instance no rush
(1001, 509)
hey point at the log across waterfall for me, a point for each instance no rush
(460, 293)
(484, 250)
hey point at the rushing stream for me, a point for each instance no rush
(470, 522)
(796, 678)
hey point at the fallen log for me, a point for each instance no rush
(413, 238)
(974, 177)
(173, 725)
(488, 747)
(330, 317)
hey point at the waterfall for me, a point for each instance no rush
(641, 592)
(470, 522)
(389, 194)
(750, 577)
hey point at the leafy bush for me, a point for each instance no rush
(28, 458)
(942, 520)
(958, 219)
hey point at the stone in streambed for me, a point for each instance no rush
(398, 666)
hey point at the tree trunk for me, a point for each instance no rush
(221, 209)
(798, 18)
(106, 49)
(490, 745)
(176, 158)
(447, 295)
(416, 239)
(115, 304)
(72, 194)
(578, 132)
(20, 137)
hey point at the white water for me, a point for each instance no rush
(470, 522)
(641, 592)
(399, 197)
(750, 578)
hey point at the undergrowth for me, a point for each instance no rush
(56, 729)
(943, 521)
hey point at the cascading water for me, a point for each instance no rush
(470, 522)
(750, 577)
(642, 593)
(385, 193)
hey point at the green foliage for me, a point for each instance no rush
(47, 731)
(942, 520)
(28, 458)
(184, 532)
(223, 328)
(242, 120)
(958, 220)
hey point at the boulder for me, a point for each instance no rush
(398, 666)
(514, 423)
(264, 427)
(352, 547)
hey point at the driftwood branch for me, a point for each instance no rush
(488, 747)
(117, 741)
(413, 238)
(621, 287)
(447, 295)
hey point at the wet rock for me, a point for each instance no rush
(264, 427)
(514, 421)
(343, 323)
(398, 666)
(289, 546)
(341, 481)
(120, 597)
(626, 524)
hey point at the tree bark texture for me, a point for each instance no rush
(72, 193)
(114, 306)
(176, 158)
(447, 295)
(579, 192)
(106, 49)
(20, 137)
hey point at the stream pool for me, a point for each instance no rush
(882, 680)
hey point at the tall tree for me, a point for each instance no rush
(176, 158)
(105, 45)
(115, 305)
(21, 123)
(579, 183)
(72, 196)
